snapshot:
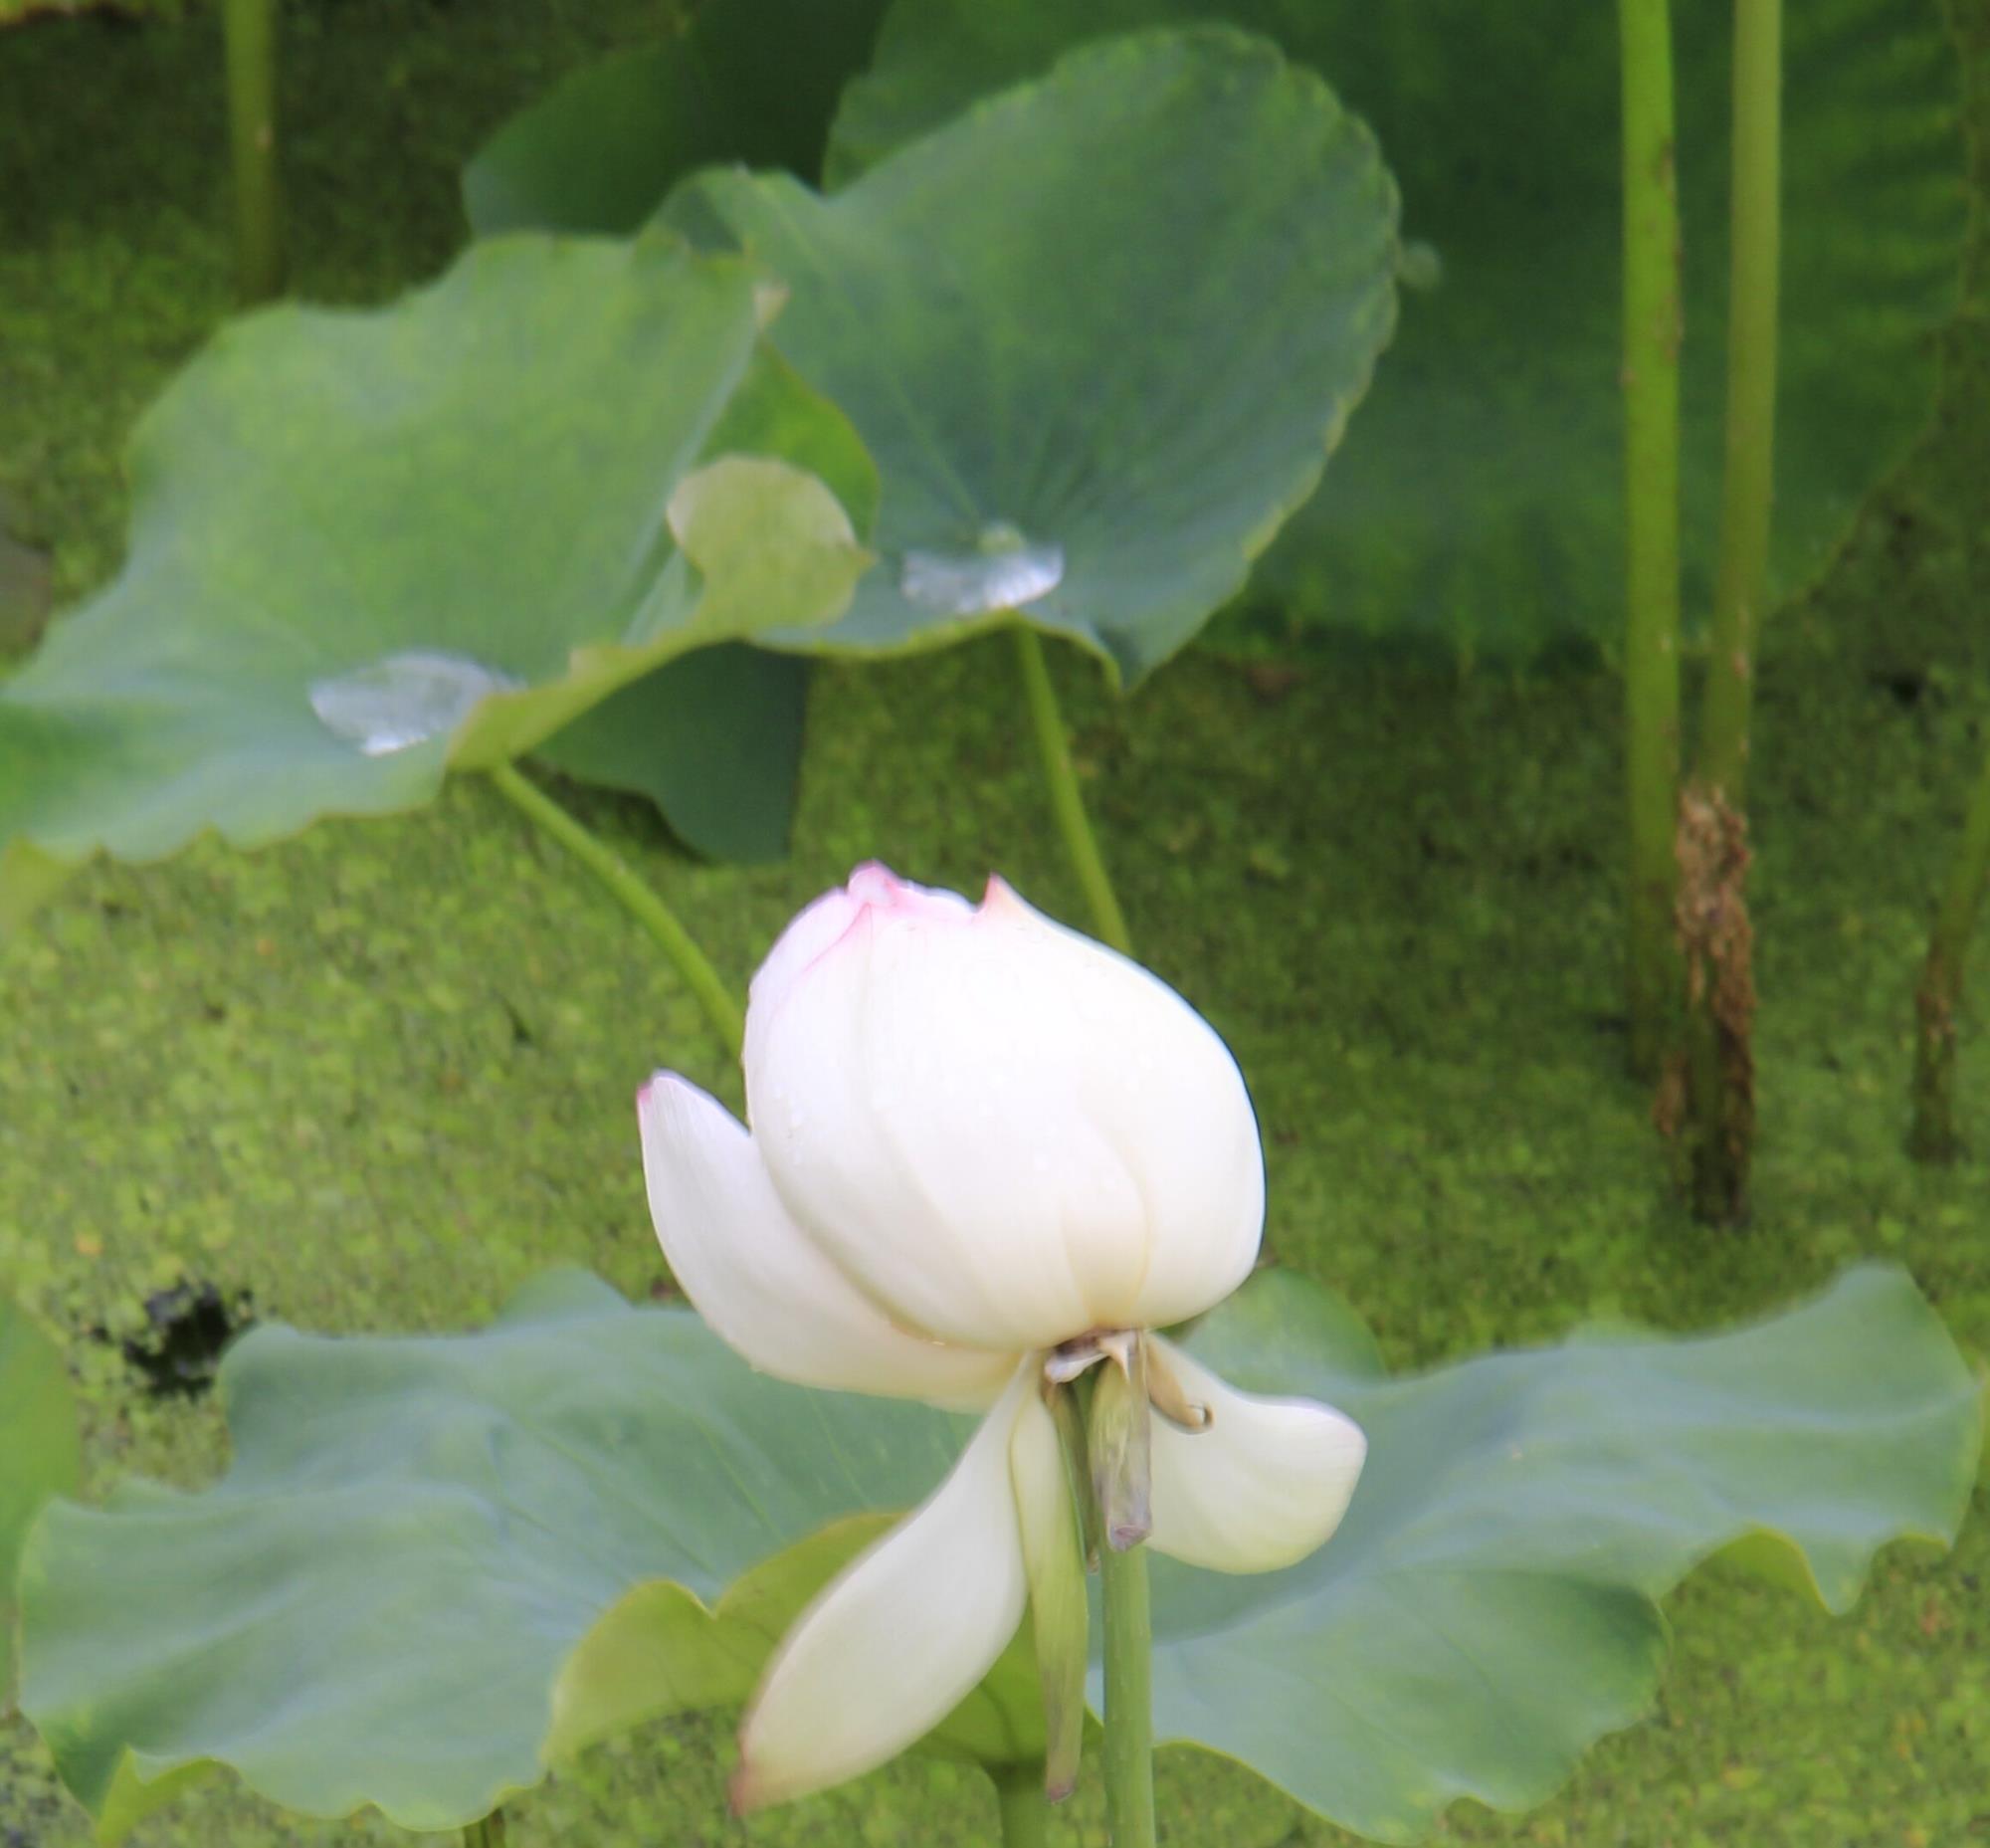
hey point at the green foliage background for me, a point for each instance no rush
(377, 1076)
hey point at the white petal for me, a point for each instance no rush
(755, 1277)
(1262, 1487)
(1007, 1133)
(817, 928)
(902, 1636)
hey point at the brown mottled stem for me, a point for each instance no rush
(1716, 940)
(1720, 1101)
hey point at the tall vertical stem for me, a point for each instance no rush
(1749, 477)
(1025, 1817)
(1652, 331)
(1129, 1754)
(1719, 1064)
(1053, 749)
(249, 29)
(1935, 1136)
(486, 1832)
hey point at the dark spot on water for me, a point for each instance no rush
(186, 1330)
(1905, 687)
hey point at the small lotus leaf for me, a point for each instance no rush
(371, 546)
(1099, 335)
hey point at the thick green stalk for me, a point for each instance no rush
(1934, 1136)
(1025, 1817)
(1053, 748)
(1129, 1754)
(488, 1832)
(250, 28)
(636, 899)
(1748, 478)
(1719, 1100)
(1651, 328)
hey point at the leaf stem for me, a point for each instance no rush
(635, 897)
(1025, 1815)
(1651, 332)
(1935, 1136)
(1720, 1061)
(1053, 749)
(1748, 473)
(486, 1831)
(249, 28)
(1129, 1754)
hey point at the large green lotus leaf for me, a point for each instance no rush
(39, 1451)
(1099, 335)
(436, 1563)
(368, 546)
(1479, 495)
(752, 81)
(479, 1553)
(1487, 1609)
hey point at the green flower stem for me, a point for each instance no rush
(1719, 1103)
(1130, 1701)
(1025, 1817)
(250, 30)
(487, 1832)
(1054, 748)
(1934, 1136)
(1748, 469)
(635, 896)
(1652, 327)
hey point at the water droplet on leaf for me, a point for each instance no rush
(1002, 571)
(403, 700)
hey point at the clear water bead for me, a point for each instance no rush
(403, 700)
(1004, 570)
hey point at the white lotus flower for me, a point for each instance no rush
(986, 1153)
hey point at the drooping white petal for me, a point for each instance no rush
(896, 1640)
(1005, 1131)
(755, 1277)
(1262, 1487)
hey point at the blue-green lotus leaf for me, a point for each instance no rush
(438, 1563)
(1099, 335)
(367, 548)
(1478, 497)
